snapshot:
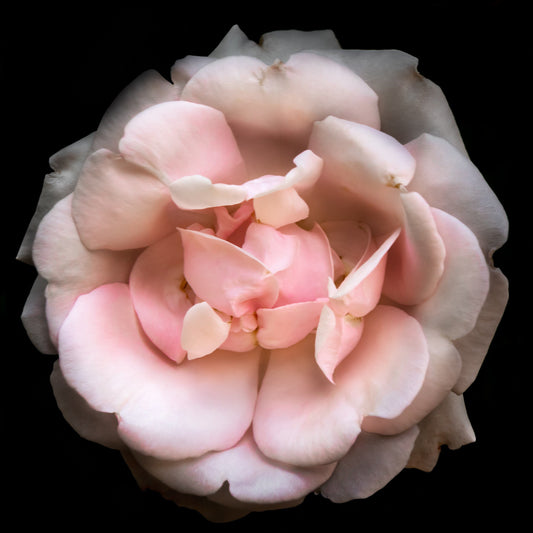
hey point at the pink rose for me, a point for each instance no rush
(269, 276)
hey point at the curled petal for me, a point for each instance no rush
(443, 369)
(280, 208)
(448, 180)
(203, 331)
(456, 303)
(369, 465)
(415, 262)
(119, 205)
(300, 260)
(240, 284)
(281, 327)
(336, 337)
(448, 424)
(360, 291)
(156, 285)
(198, 192)
(252, 477)
(364, 170)
(163, 409)
(165, 139)
(380, 377)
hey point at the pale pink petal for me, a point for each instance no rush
(474, 346)
(415, 262)
(185, 68)
(281, 327)
(198, 192)
(275, 249)
(34, 318)
(283, 43)
(449, 425)
(163, 409)
(300, 259)
(69, 267)
(386, 370)
(360, 291)
(228, 223)
(176, 139)
(238, 285)
(273, 107)
(455, 305)
(349, 240)
(303, 419)
(203, 331)
(442, 372)
(448, 180)
(119, 205)
(66, 165)
(252, 477)
(148, 89)
(90, 424)
(364, 170)
(371, 463)
(280, 208)
(336, 337)
(409, 103)
(240, 341)
(157, 290)
(235, 42)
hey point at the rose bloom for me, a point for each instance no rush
(269, 276)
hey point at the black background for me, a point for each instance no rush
(61, 67)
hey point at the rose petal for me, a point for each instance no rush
(403, 92)
(66, 165)
(303, 419)
(176, 139)
(119, 205)
(360, 291)
(300, 259)
(448, 424)
(198, 192)
(448, 180)
(69, 267)
(252, 477)
(240, 284)
(157, 292)
(281, 327)
(474, 346)
(457, 301)
(415, 262)
(371, 463)
(280, 208)
(34, 317)
(185, 68)
(336, 337)
(442, 372)
(203, 331)
(248, 92)
(349, 240)
(148, 89)
(168, 411)
(363, 172)
(88, 423)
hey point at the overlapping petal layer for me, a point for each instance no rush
(169, 411)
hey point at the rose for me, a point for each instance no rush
(326, 299)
